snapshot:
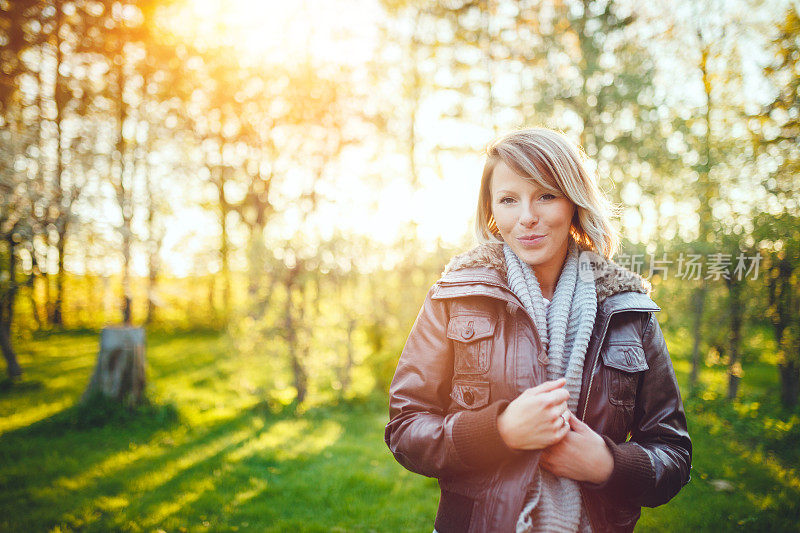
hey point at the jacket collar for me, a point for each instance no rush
(618, 288)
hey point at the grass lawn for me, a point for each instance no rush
(210, 455)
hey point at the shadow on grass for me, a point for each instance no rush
(74, 472)
(96, 412)
(266, 469)
(15, 387)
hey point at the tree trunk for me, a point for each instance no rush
(124, 194)
(153, 248)
(790, 383)
(699, 303)
(40, 180)
(12, 366)
(414, 97)
(300, 379)
(34, 303)
(151, 294)
(120, 370)
(108, 297)
(60, 99)
(734, 370)
(212, 310)
(256, 263)
(58, 314)
(48, 299)
(7, 313)
(348, 362)
(706, 189)
(224, 245)
(782, 311)
(126, 274)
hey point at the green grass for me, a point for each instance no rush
(209, 454)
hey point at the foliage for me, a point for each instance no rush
(122, 120)
(348, 317)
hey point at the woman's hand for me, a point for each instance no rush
(581, 455)
(533, 420)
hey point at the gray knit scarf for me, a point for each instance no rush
(554, 503)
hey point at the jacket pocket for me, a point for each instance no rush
(470, 394)
(472, 342)
(623, 366)
(623, 362)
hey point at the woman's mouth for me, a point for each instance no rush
(530, 240)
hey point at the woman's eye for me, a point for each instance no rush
(548, 196)
(506, 200)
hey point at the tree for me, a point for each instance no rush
(707, 134)
(780, 239)
(17, 200)
(778, 133)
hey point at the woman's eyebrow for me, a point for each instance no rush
(537, 189)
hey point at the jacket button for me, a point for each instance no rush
(469, 330)
(469, 397)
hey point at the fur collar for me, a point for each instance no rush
(610, 278)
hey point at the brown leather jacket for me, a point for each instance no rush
(474, 348)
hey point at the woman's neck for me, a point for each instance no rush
(547, 284)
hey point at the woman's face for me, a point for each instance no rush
(532, 221)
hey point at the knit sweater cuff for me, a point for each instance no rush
(632, 475)
(476, 438)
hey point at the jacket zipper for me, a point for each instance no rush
(594, 366)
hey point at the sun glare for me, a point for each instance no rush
(270, 31)
(261, 33)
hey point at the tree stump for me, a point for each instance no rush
(119, 373)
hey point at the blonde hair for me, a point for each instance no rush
(552, 161)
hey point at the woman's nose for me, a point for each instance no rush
(528, 217)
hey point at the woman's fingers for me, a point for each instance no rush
(562, 431)
(560, 419)
(566, 420)
(555, 397)
(559, 431)
(548, 386)
(578, 425)
(554, 412)
(534, 419)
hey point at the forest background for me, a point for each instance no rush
(270, 188)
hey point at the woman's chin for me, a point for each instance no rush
(533, 258)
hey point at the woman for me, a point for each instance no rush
(536, 384)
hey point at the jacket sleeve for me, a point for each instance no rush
(421, 434)
(654, 464)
